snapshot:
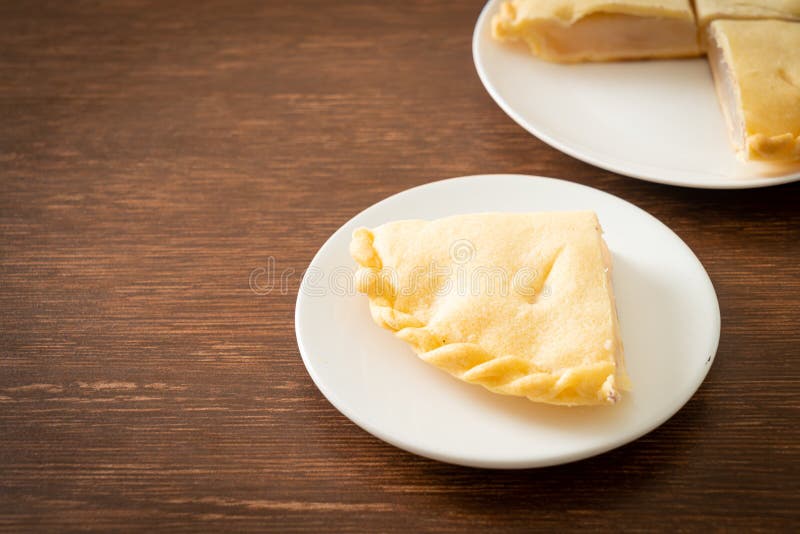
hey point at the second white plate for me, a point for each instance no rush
(668, 311)
(655, 120)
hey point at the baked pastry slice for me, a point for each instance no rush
(599, 30)
(756, 69)
(521, 304)
(710, 10)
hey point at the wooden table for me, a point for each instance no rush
(154, 154)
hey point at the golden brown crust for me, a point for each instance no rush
(763, 66)
(710, 10)
(594, 383)
(568, 31)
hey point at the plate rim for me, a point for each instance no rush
(591, 159)
(470, 461)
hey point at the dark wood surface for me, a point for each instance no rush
(153, 154)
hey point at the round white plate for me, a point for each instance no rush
(655, 120)
(667, 307)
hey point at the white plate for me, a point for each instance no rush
(654, 120)
(667, 307)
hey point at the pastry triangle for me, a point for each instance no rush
(599, 30)
(756, 68)
(521, 304)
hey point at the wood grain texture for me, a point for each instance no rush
(153, 154)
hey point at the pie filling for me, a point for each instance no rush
(620, 379)
(727, 90)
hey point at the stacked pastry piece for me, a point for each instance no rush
(753, 49)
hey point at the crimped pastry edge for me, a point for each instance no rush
(579, 386)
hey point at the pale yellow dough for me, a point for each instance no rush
(709, 10)
(756, 67)
(599, 30)
(521, 304)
